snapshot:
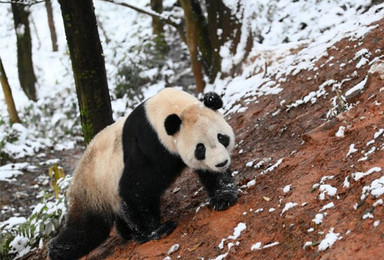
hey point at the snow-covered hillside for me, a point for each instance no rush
(291, 39)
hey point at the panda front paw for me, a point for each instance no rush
(223, 200)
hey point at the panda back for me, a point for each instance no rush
(97, 175)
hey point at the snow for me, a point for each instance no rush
(273, 167)
(327, 206)
(368, 215)
(256, 246)
(378, 133)
(346, 183)
(251, 183)
(306, 244)
(173, 249)
(361, 53)
(287, 188)
(259, 210)
(329, 240)
(237, 231)
(20, 246)
(288, 206)
(340, 132)
(318, 218)
(326, 189)
(376, 188)
(358, 175)
(358, 87)
(236, 234)
(11, 222)
(10, 170)
(271, 245)
(378, 203)
(351, 150)
(221, 245)
(249, 164)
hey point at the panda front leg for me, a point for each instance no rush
(221, 190)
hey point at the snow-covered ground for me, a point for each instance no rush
(277, 28)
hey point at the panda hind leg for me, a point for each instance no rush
(80, 236)
(122, 228)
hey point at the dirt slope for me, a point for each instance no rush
(315, 164)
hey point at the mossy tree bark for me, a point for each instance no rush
(13, 116)
(88, 66)
(27, 76)
(51, 24)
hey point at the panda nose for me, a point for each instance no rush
(219, 165)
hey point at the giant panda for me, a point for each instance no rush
(128, 165)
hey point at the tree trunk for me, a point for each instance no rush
(51, 23)
(27, 76)
(158, 27)
(218, 29)
(13, 116)
(192, 31)
(225, 25)
(88, 66)
(157, 24)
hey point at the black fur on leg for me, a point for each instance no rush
(122, 228)
(221, 190)
(80, 237)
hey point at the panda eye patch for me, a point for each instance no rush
(223, 139)
(200, 151)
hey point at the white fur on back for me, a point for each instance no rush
(96, 178)
(168, 101)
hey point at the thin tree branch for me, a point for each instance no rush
(168, 20)
(23, 2)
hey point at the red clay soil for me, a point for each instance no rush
(306, 141)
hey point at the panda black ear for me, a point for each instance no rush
(213, 101)
(172, 124)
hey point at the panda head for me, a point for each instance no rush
(204, 140)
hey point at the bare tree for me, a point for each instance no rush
(88, 65)
(13, 116)
(24, 49)
(51, 24)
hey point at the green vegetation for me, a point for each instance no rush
(19, 236)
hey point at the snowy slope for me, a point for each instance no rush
(290, 37)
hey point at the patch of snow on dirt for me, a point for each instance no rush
(329, 240)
